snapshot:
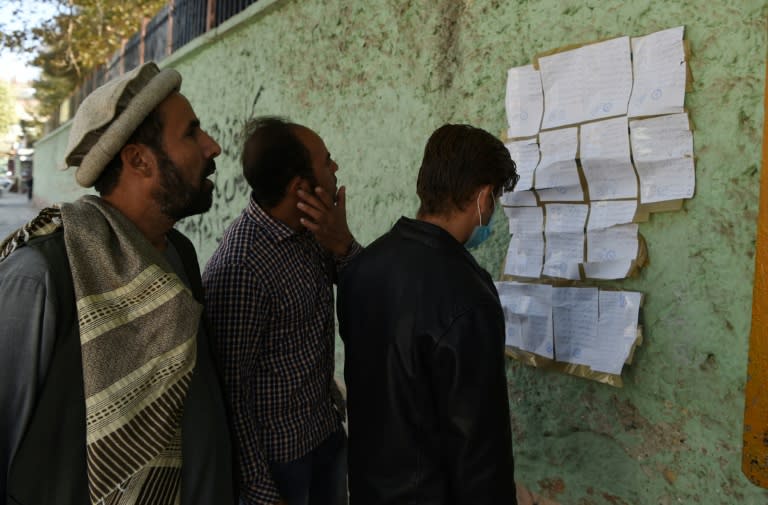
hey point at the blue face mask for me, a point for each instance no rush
(481, 233)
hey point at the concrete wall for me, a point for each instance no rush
(52, 183)
(375, 78)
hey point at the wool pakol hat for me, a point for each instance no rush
(111, 113)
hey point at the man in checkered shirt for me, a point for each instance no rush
(269, 294)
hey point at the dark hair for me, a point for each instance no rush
(273, 155)
(149, 133)
(457, 160)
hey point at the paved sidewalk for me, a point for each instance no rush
(15, 210)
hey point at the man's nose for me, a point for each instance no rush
(212, 148)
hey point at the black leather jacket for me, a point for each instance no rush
(427, 396)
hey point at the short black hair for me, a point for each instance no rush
(459, 158)
(149, 133)
(272, 155)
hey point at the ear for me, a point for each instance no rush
(298, 183)
(139, 159)
(485, 194)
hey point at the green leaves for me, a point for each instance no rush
(81, 35)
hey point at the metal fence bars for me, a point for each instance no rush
(178, 23)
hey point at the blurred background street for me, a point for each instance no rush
(15, 210)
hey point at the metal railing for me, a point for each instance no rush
(178, 23)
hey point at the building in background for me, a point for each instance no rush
(17, 143)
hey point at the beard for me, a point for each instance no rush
(177, 198)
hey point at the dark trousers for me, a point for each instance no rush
(317, 478)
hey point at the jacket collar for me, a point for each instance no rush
(435, 237)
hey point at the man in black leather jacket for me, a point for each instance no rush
(424, 336)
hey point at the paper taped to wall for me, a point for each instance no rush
(605, 159)
(662, 148)
(586, 326)
(658, 63)
(588, 83)
(524, 101)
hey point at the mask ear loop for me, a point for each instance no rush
(479, 215)
(493, 203)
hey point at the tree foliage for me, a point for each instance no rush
(81, 35)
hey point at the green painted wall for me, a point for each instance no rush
(52, 183)
(375, 78)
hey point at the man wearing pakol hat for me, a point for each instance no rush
(109, 393)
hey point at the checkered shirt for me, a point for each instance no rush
(269, 297)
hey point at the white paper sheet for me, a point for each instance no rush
(666, 180)
(528, 316)
(525, 219)
(564, 247)
(604, 214)
(662, 148)
(563, 217)
(658, 62)
(524, 101)
(617, 330)
(519, 199)
(557, 174)
(525, 255)
(562, 254)
(668, 122)
(610, 244)
(575, 323)
(561, 194)
(607, 270)
(525, 154)
(605, 159)
(591, 82)
(610, 251)
(557, 168)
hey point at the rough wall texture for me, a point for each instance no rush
(375, 78)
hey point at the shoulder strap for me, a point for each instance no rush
(189, 260)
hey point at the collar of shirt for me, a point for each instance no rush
(274, 227)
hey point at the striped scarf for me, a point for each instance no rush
(138, 324)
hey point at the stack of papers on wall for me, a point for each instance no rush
(584, 326)
(572, 139)
(601, 140)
